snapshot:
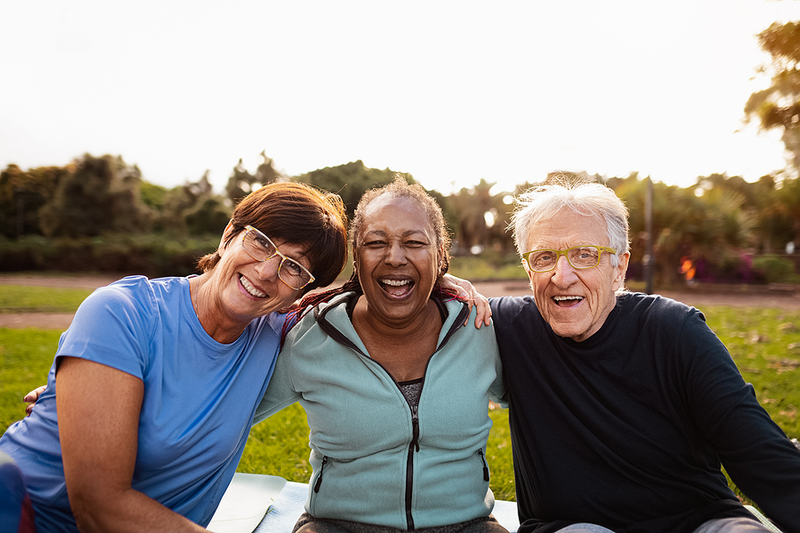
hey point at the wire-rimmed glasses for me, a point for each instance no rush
(261, 248)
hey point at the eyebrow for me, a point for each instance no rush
(381, 233)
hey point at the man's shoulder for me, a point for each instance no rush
(512, 303)
(655, 313)
(508, 310)
(638, 302)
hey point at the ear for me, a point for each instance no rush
(227, 234)
(621, 268)
(528, 272)
(440, 261)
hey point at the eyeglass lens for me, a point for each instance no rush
(262, 249)
(578, 257)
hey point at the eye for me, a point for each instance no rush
(374, 244)
(293, 268)
(416, 244)
(262, 242)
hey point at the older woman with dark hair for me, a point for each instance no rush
(180, 365)
(396, 389)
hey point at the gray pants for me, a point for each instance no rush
(719, 525)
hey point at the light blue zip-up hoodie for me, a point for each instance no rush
(375, 459)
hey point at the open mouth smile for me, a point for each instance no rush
(397, 288)
(250, 288)
(567, 301)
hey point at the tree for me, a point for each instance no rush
(23, 194)
(482, 219)
(778, 106)
(350, 181)
(193, 208)
(97, 195)
(789, 201)
(241, 183)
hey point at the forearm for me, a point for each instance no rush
(126, 511)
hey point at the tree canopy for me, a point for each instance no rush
(778, 106)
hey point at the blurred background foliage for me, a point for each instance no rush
(98, 214)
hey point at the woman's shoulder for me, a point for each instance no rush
(327, 310)
(134, 295)
(324, 319)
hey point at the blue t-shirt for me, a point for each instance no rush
(199, 397)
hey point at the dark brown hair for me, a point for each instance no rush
(299, 214)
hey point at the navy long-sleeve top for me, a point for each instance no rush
(628, 428)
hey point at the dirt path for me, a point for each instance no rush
(59, 321)
(737, 296)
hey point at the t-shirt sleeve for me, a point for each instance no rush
(112, 327)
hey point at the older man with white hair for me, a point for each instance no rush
(624, 406)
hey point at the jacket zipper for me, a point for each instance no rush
(485, 466)
(321, 470)
(412, 447)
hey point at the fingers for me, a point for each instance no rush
(467, 292)
(484, 311)
(31, 398)
(33, 395)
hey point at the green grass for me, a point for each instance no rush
(765, 343)
(27, 299)
(25, 359)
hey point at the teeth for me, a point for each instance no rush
(566, 298)
(249, 288)
(396, 283)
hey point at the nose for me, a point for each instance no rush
(564, 274)
(395, 255)
(268, 270)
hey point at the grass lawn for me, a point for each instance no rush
(765, 343)
(29, 298)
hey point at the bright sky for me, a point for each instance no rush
(450, 92)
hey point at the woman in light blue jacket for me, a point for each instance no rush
(395, 387)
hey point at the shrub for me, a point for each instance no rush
(150, 254)
(776, 269)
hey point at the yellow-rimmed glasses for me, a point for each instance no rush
(261, 248)
(580, 257)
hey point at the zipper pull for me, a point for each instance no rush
(415, 426)
(485, 466)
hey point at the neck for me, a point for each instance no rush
(221, 330)
(402, 330)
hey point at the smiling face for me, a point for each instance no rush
(246, 288)
(575, 302)
(397, 259)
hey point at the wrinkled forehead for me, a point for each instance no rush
(396, 214)
(567, 228)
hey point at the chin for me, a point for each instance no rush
(569, 333)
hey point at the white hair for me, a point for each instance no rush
(543, 202)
